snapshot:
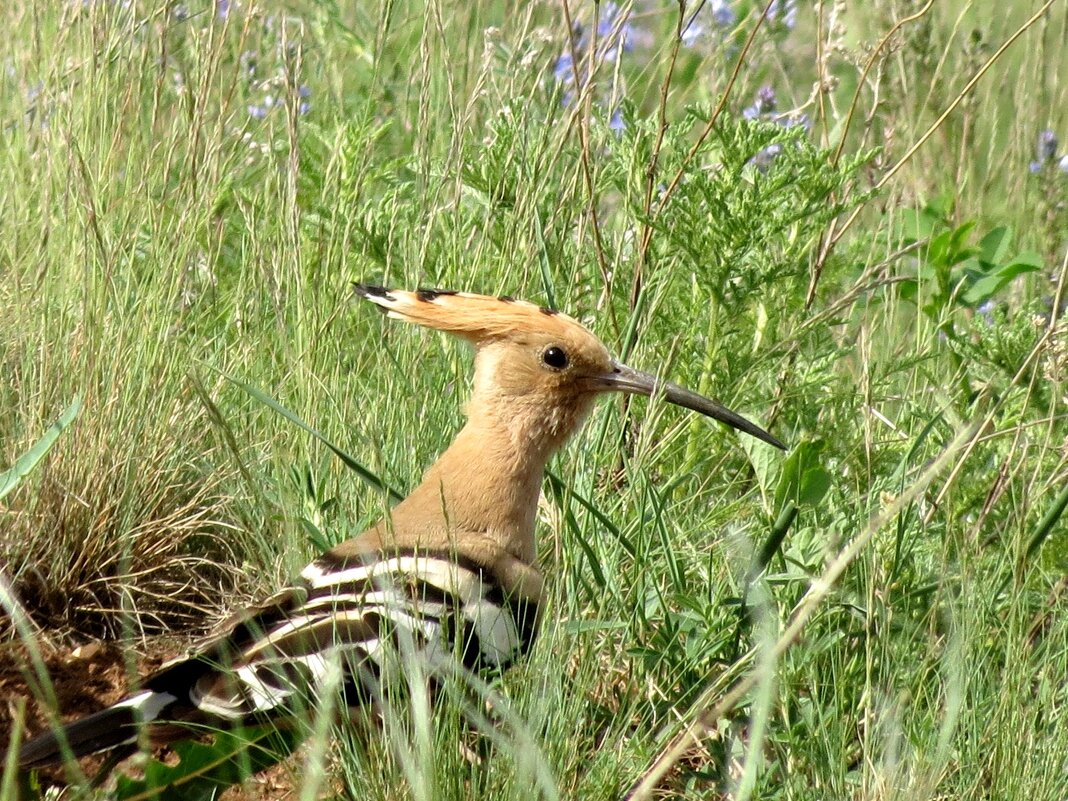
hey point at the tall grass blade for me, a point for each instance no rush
(1048, 521)
(364, 473)
(24, 465)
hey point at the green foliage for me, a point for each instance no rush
(202, 770)
(153, 226)
(761, 224)
(804, 480)
(953, 273)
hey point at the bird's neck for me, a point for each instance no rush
(493, 474)
(481, 495)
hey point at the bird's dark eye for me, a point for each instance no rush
(554, 357)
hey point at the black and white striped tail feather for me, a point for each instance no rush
(359, 613)
(108, 729)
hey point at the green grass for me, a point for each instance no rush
(156, 237)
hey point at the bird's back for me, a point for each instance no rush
(363, 611)
(365, 615)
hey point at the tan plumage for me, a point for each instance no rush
(452, 566)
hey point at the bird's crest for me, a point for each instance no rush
(477, 318)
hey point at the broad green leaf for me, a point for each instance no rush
(804, 481)
(204, 770)
(986, 288)
(24, 465)
(940, 209)
(908, 289)
(765, 459)
(959, 239)
(974, 269)
(994, 247)
(929, 273)
(1029, 258)
(938, 251)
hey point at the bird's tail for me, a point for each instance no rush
(102, 731)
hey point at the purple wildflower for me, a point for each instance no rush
(1046, 151)
(563, 70)
(986, 311)
(763, 108)
(764, 159)
(1047, 146)
(564, 75)
(763, 105)
(722, 13)
(709, 16)
(270, 102)
(784, 13)
(616, 37)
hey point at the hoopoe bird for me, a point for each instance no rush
(452, 568)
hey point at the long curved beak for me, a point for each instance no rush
(627, 379)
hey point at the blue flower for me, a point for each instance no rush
(260, 110)
(1047, 146)
(616, 37)
(764, 159)
(722, 13)
(784, 13)
(709, 16)
(1046, 150)
(986, 311)
(763, 108)
(564, 69)
(763, 105)
(564, 74)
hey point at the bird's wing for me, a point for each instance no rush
(359, 614)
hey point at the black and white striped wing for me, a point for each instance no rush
(359, 614)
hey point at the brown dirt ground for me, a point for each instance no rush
(91, 676)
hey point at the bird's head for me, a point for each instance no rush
(537, 371)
